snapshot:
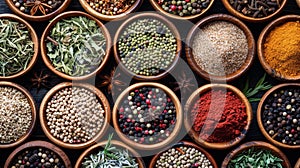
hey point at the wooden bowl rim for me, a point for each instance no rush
(42, 144)
(98, 15)
(259, 113)
(172, 28)
(297, 165)
(33, 113)
(231, 10)
(71, 14)
(261, 40)
(191, 17)
(174, 132)
(115, 143)
(34, 39)
(100, 96)
(298, 3)
(63, 6)
(222, 145)
(256, 144)
(250, 41)
(189, 144)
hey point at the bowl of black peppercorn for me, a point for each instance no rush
(278, 115)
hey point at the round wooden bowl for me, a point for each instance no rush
(187, 144)
(251, 19)
(70, 14)
(33, 111)
(99, 95)
(101, 145)
(101, 16)
(49, 16)
(169, 24)
(39, 144)
(258, 145)
(34, 39)
(148, 147)
(260, 46)
(297, 165)
(189, 124)
(157, 7)
(260, 111)
(220, 17)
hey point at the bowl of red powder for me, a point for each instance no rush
(217, 116)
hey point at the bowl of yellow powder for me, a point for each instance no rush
(279, 48)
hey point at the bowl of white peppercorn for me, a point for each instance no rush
(220, 48)
(183, 154)
(38, 154)
(17, 114)
(74, 115)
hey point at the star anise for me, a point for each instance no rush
(40, 80)
(112, 80)
(151, 115)
(37, 5)
(183, 83)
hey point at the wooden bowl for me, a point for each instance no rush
(230, 19)
(189, 124)
(260, 46)
(169, 24)
(99, 95)
(188, 144)
(49, 16)
(260, 111)
(34, 39)
(148, 147)
(157, 7)
(39, 144)
(101, 145)
(100, 16)
(258, 145)
(70, 14)
(298, 2)
(251, 19)
(297, 165)
(33, 111)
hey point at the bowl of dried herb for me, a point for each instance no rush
(256, 154)
(110, 153)
(74, 115)
(75, 45)
(38, 10)
(17, 114)
(19, 46)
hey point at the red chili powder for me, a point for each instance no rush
(219, 116)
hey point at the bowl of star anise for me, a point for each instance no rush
(38, 10)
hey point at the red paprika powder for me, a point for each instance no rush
(219, 116)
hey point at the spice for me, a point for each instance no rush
(147, 115)
(256, 157)
(281, 49)
(16, 47)
(112, 80)
(220, 48)
(39, 157)
(15, 115)
(183, 156)
(110, 156)
(219, 116)
(281, 115)
(74, 115)
(37, 7)
(76, 46)
(39, 81)
(184, 7)
(111, 7)
(147, 47)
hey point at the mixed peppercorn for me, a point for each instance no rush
(111, 7)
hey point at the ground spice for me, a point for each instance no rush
(282, 51)
(219, 116)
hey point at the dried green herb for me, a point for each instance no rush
(255, 158)
(76, 46)
(110, 156)
(16, 47)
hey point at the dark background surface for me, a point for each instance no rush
(255, 72)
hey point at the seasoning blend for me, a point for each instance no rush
(217, 116)
(279, 115)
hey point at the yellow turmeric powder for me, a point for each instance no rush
(282, 49)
